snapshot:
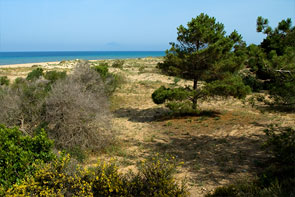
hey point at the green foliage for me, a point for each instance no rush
(175, 81)
(283, 93)
(233, 86)
(102, 69)
(254, 83)
(53, 76)
(236, 190)
(78, 153)
(181, 108)
(204, 53)
(61, 177)
(279, 38)
(159, 96)
(281, 142)
(257, 62)
(176, 99)
(18, 83)
(4, 81)
(108, 181)
(118, 64)
(111, 81)
(179, 99)
(57, 178)
(35, 74)
(18, 152)
(171, 94)
(273, 62)
(155, 178)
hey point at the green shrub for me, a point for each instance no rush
(35, 74)
(249, 189)
(107, 181)
(181, 108)
(4, 80)
(103, 64)
(280, 169)
(176, 80)
(155, 178)
(281, 142)
(111, 81)
(57, 178)
(230, 86)
(18, 152)
(102, 69)
(246, 189)
(141, 69)
(18, 83)
(162, 94)
(282, 90)
(176, 99)
(53, 76)
(118, 64)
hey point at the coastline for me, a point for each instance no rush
(20, 58)
(27, 64)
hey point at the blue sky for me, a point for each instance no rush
(95, 25)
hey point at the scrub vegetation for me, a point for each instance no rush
(214, 117)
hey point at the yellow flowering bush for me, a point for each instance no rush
(155, 178)
(59, 178)
(54, 179)
(108, 181)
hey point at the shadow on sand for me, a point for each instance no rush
(157, 114)
(214, 159)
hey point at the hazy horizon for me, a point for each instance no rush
(131, 25)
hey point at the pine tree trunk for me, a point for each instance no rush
(195, 99)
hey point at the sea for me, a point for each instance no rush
(7, 58)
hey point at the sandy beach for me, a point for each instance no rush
(27, 64)
(12, 71)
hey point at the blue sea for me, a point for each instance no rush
(52, 56)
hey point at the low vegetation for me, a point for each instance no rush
(118, 63)
(78, 120)
(4, 81)
(18, 153)
(28, 167)
(61, 118)
(81, 118)
(277, 178)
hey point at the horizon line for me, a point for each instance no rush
(88, 51)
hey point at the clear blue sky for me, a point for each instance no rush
(71, 25)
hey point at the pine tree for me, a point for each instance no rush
(204, 53)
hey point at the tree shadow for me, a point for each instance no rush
(276, 108)
(141, 115)
(158, 114)
(214, 159)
